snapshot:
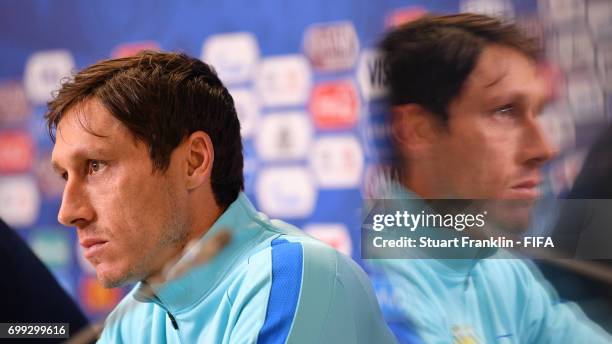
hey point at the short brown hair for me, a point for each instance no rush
(428, 60)
(162, 98)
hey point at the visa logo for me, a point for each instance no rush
(371, 75)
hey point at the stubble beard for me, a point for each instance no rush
(173, 236)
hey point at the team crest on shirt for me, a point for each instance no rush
(464, 335)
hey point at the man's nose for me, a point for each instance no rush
(76, 210)
(537, 147)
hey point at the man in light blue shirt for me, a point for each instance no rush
(466, 91)
(150, 149)
(486, 296)
(270, 284)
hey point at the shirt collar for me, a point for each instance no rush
(179, 294)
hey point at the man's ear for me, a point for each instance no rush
(200, 157)
(414, 129)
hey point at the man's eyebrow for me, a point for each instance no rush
(519, 97)
(507, 97)
(80, 154)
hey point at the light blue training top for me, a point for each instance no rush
(270, 284)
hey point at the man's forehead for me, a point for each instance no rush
(92, 117)
(87, 129)
(505, 69)
(485, 76)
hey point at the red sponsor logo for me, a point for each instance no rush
(334, 105)
(131, 49)
(96, 298)
(404, 15)
(16, 152)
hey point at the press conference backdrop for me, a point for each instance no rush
(309, 90)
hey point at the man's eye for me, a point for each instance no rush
(506, 110)
(95, 166)
(65, 176)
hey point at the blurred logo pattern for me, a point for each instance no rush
(221, 51)
(286, 192)
(19, 201)
(44, 71)
(337, 162)
(16, 151)
(14, 105)
(284, 136)
(284, 80)
(371, 75)
(331, 46)
(334, 105)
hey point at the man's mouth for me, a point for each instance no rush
(528, 189)
(92, 246)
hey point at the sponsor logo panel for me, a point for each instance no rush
(286, 192)
(371, 75)
(331, 46)
(16, 151)
(337, 161)
(284, 136)
(334, 105)
(19, 201)
(233, 55)
(44, 71)
(14, 106)
(284, 80)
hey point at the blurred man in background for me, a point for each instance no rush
(466, 92)
(151, 152)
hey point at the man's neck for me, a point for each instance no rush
(201, 222)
